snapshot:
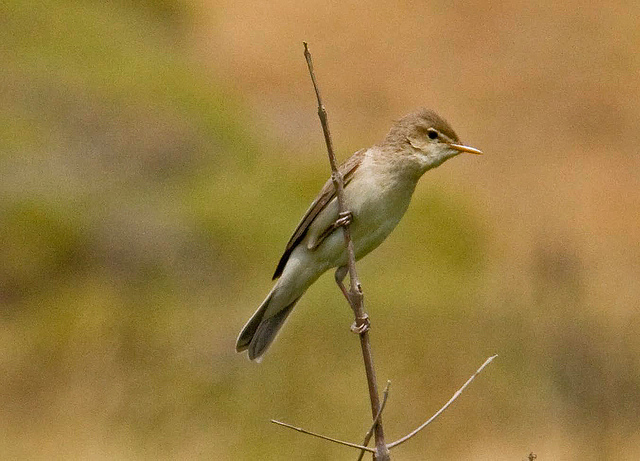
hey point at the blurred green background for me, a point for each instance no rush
(155, 157)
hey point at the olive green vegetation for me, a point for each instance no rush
(140, 219)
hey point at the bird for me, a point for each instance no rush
(378, 185)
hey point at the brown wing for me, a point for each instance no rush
(324, 197)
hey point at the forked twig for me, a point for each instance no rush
(446, 405)
(367, 437)
(324, 437)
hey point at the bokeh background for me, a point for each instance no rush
(156, 155)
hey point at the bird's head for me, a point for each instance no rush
(428, 138)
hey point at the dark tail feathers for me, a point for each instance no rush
(258, 334)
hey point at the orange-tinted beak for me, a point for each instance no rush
(467, 149)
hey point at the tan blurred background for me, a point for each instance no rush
(155, 158)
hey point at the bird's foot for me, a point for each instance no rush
(361, 325)
(344, 219)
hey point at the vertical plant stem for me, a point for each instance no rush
(355, 289)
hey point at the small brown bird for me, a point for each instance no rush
(379, 183)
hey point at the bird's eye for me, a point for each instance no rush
(433, 134)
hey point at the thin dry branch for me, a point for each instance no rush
(355, 291)
(355, 298)
(323, 437)
(446, 405)
(367, 437)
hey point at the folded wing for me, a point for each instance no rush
(327, 193)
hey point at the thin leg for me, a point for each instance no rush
(341, 273)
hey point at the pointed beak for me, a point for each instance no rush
(467, 149)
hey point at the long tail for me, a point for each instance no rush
(259, 332)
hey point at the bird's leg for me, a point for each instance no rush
(361, 324)
(341, 273)
(344, 219)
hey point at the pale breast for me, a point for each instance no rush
(378, 200)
